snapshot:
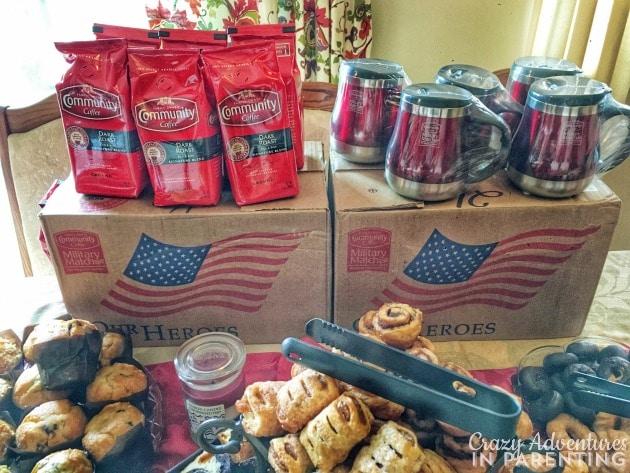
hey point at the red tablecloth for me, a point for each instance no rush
(177, 443)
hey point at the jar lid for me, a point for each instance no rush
(210, 359)
(366, 68)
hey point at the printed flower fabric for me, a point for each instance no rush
(327, 31)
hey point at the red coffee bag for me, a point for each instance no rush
(94, 99)
(252, 105)
(283, 36)
(178, 126)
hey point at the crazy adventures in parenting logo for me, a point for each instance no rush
(544, 454)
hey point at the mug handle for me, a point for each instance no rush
(482, 163)
(609, 135)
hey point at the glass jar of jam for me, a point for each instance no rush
(210, 369)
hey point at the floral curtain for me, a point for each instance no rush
(327, 31)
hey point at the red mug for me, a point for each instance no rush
(526, 70)
(572, 130)
(364, 113)
(434, 151)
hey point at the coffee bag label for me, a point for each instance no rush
(167, 114)
(249, 107)
(85, 101)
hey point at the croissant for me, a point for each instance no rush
(287, 455)
(434, 463)
(303, 397)
(394, 449)
(331, 435)
(258, 406)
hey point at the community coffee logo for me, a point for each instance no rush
(166, 114)
(249, 107)
(85, 101)
(80, 252)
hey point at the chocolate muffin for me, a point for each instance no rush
(71, 460)
(50, 425)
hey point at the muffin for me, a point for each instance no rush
(71, 460)
(116, 382)
(6, 386)
(7, 434)
(50, 425)
(115, 345)
(66, 352)
(116, 437)
(10, 352)
(29, 390)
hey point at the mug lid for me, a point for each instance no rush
(544, 66)
(366, 68)
(476, 79)
(436, 95)
(568, 90)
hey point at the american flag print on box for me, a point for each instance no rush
(235, 273)
(507, 274)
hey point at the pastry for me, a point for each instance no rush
(423, 349)
(393, 323)
(434, 463)
(116, 382)
(565, 429)
(10, 352)
(605, 421)
(331, 435)
(50, 425)
(613, 452)
(66, 352)
(116, 437)
(467, 454)
(29, 391)
(114, 345)
(288, 455)
(7, 434)
(394, 449)
(258, 406)
(380, 407)
(303, 397)
(71, 460)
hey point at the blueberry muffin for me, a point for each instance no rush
(50, 425)
(116, 382)
(29, 390)
(66, 352)
(71, 460)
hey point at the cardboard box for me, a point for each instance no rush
(492, 264)
(259, 271)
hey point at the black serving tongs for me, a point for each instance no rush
(607, 396)
(405, 379)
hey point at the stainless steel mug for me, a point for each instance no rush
(572, 129)
(487, 87)
(365, 108)
(526, 70)
(432, 153)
